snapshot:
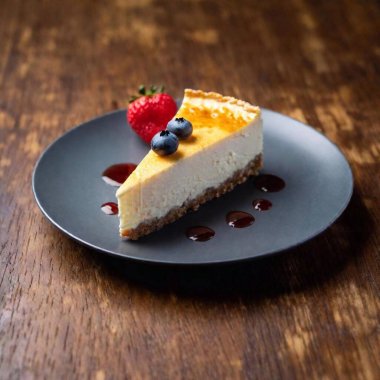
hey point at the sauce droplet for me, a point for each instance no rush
(239, 219)
(116, 174)
(110, 208)
(269, 183)
(262, 204)
(200, 233)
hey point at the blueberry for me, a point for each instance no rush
(180, 127)
(164, 143)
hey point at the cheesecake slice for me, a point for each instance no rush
(223, 151)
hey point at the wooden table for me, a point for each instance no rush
(67, 312)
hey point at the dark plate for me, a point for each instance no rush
(69, 190)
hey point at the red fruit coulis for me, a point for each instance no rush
(269, 183)
(200, 233)
(262, 204)
(239, 219)
(110, 208)
(116, 174)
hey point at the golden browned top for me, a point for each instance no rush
(213, 116)
(213, 110)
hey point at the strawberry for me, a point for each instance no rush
(150, 112)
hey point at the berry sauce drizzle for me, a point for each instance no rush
(239, 219)
(269, 183)
(110, 208)
(200, 233)
(115, 175)
(262, 204)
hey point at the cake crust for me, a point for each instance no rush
(175, 213)
(221, 99)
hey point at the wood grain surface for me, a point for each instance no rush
(67, 312)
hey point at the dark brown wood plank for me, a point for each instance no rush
(67, 312)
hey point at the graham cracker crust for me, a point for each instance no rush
(175, 213)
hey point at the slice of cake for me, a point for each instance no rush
(224, 149)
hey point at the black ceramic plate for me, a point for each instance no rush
(69, 189)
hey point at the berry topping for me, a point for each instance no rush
(164, 143)
(181, 127)
(150, 111)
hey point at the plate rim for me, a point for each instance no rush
(184, 263)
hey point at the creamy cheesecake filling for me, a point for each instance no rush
(187, 179)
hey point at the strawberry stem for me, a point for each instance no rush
(142, 91)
